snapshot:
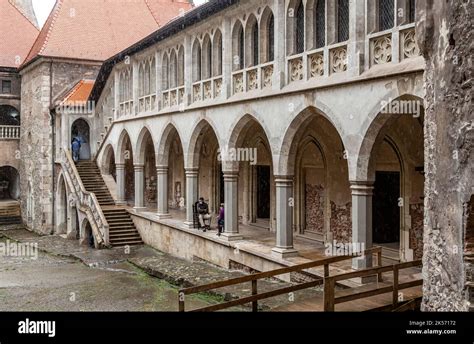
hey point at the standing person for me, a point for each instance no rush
(76, 148)
(203, 212)
(220, 220)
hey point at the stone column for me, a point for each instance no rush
(284, 218)
(162, 197)
(279, 75)
(362, 193)
(231, 204)
(192, 185)
(139, 187)
(120, 169)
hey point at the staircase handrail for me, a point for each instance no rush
(87, 201)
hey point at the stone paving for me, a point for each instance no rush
(174, 270)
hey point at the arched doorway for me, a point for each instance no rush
(125, 160)
(61, 207)
(9, 183)
(147, 158)
(9, 116)
(81, 131)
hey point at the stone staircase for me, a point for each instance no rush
(122, 230)
(10, 213)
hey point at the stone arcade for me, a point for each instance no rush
(306, 118)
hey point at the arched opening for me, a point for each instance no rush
(252, 44)
(319, 24)
(80, 131)
(165, 68)
(197, 61)
(322, 195)
(88, 235)
(9, 183)
(267, 36)
(108, 165)
(147, 157)
(61, 207)
(207, 60)
(181, 66)
(204, 152)
(394, 149)
(9, 115)
(171, 156)
(173, 70)
(125, 157)
(256, 185)
(238, 47)
(217, 54)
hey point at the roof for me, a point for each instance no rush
(17, 34)
(188, 19)
(98, 29)
(79, 94)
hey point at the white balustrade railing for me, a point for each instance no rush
(9, 132)
(87, 202)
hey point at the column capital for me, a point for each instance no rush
(120, 166)
(162, 169)
(284, 181)
(362, 188)
(138, 167)
(191, 172)
(231, 176)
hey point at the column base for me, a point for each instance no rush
(139, 209)
(231, 236)
(163, 216)
(283, 253)
(189, 225)
(121, 203)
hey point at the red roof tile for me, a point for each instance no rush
(79, 94)
(17, 34)
(99, 29)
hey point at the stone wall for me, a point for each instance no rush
(445, 35)
(42, 83)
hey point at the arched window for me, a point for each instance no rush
(271, 38)
(165, 72)
(141, 80)
(238, 42)
(300, 28)
(320, 24)
(411, 11)
(386, 14)
(173, 70)
(342, 20)
(197, 61)
(153, 76)
(207, 58)
(217, 54)
(181, 66)
(267, 36)
(255, 45)
(146, 77)
(9, 115)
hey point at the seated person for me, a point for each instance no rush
(202, 209)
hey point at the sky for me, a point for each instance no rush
(44, 7)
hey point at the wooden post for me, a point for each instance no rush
(254, 292)
(181, 298)
(379, 264)
(326, 270)
(329, 285)
(395, 286)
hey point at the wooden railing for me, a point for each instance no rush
(253, 279)
(9, 132)
(87, 202)
(330, 300)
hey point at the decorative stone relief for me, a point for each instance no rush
(267, 76)
(339, 60)
(207, 90)
(238, 83)
(252, 82)
(316, 65)
(410, 47)
(382, 50)
(218, 87)
(296, 69)
(197, 92)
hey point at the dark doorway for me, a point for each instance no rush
(263, 192)
(80, 130)
(386, 211)
(9, 183)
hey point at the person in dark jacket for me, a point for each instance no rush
(76, 148)
(202, 209)
(220, 221)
